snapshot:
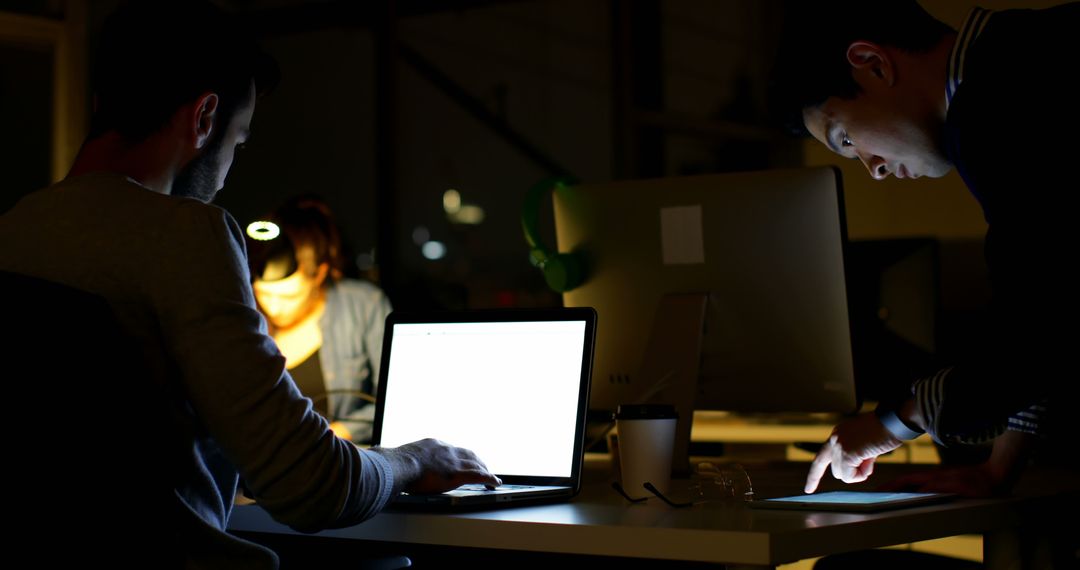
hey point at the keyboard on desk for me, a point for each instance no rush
(470, 490)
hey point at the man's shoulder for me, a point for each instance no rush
(114, 190)
(1012, 74)
(127, 195)
(1023, 34)
(1060, 16)
(117, 210)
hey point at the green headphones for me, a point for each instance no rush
(562, 271)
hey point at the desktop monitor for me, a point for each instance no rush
(763, 255)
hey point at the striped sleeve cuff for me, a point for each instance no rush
(929, 395)
(1029, 420)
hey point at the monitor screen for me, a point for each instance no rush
(765, 252)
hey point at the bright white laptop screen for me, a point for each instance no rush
(506, 390)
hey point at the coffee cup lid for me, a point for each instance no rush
(646, 412)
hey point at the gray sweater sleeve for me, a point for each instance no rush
(237, 386)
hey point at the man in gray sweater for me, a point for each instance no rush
(175, 90)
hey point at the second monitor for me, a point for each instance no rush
(752, 261)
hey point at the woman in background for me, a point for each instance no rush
(329, 328)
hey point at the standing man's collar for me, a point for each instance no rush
(973, 26)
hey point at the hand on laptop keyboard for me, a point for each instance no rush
(432, 466)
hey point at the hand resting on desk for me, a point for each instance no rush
(995, 476)
(967, 481)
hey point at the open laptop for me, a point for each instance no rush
(510, 385)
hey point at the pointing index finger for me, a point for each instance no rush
(819, 465)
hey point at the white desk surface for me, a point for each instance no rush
(599, 522)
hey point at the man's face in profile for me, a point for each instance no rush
(888, 125)
(881, 136)
(205, 174)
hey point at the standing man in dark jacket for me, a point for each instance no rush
(885, 83)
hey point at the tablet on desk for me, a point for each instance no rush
(852, 501)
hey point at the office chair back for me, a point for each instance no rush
(84, 464)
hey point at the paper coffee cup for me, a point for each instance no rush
(646, 444)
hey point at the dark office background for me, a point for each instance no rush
(385, 106)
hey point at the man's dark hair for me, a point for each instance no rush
(157, 55)
(812, 65)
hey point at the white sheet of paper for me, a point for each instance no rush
(681, 235)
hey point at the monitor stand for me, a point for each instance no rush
(672, 363)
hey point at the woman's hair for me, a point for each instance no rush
(309, 237)
(811, 65)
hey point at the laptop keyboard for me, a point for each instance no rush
(480, 489)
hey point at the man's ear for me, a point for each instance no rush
(872, 60)
(204, 118)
